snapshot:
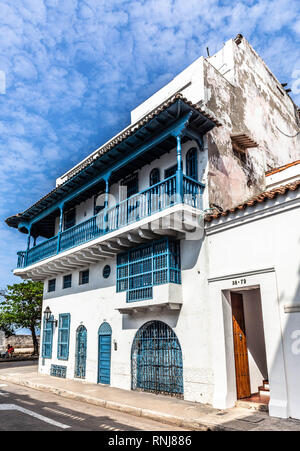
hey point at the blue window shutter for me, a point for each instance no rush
(63, 336)
(47, 339)
(192, 164)
(142, 267)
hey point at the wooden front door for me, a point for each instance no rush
(240, 347)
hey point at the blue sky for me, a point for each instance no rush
(74, 69)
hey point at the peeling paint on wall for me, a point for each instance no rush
(246, 99)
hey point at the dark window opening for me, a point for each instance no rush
(84, 277)
(192, 164)
(154, 177)
(51, 285)
(170, 171)
(67, 281)
(132, 185)
(70, 219)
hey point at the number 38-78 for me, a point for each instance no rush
(239, 282)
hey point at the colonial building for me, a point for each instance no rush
(139, 292)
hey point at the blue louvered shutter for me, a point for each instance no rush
(47, 339)
(63, 336)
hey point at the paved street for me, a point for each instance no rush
(31, 401)
(24, 409)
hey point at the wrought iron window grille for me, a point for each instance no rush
(139, 269)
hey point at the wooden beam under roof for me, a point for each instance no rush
(242, 141)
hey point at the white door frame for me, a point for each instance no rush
(222, 334)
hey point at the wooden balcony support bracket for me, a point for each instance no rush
(89, 253)
(146, 234)
(192, 134)
(55, 267)
(123, 242)
(41, 271)
(106, 252)
(112, 246)
(64, 265)
(71, 262)
(81, 260)
(76, 263)
(89, 258)
(134, 238)
(96, 254)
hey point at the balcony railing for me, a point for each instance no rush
(152, 200)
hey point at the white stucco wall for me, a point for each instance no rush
(96, 302)
(264, 250)
(288, 175)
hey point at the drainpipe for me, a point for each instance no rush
(61, 217)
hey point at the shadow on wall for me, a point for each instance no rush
(255, 331)
(291, 348)
(135, 321)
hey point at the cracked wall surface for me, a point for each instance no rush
(246, 97)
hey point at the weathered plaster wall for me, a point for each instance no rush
(246, 99)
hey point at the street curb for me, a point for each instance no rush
(198, 425)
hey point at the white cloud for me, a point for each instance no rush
(75, 68)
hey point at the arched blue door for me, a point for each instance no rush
(156, 360)
(104, 353)
(80, 357)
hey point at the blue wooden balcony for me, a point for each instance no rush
(157, 198)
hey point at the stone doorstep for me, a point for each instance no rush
(254, 406)
(210, 423)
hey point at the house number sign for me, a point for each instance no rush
(239, 282)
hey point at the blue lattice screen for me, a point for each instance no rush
(139, 269)
(58, 371)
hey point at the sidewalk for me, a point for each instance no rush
(156, 407)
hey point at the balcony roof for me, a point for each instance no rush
(120, 146)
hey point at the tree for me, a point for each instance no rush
(6, 328)
(22, 307)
